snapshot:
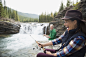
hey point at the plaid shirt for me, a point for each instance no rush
(73, 46)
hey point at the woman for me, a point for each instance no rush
(73, 40)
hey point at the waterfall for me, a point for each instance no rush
(33, 28)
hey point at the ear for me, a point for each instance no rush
(75, 21)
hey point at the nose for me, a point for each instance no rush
(64, 24)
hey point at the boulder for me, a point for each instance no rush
(9, 27)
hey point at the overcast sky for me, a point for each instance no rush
(36, 6)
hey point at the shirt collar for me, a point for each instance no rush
(72, 31)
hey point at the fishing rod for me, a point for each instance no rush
(38, 43)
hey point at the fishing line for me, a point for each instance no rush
(36, 42)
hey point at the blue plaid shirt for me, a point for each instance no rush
(73, 46)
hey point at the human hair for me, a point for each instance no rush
(51, 25)
(81, 26)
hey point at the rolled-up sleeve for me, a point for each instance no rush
(58, 40)
(73, 46)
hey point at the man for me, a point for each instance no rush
(52, 34)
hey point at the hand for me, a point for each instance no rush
(40, 45)
(48, 52)
(47, 36)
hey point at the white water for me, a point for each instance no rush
(24, 38)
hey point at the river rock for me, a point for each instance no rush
(9, 27)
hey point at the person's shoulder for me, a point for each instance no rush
(54, 30)
(80, 34)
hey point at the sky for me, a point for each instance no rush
(36, 6)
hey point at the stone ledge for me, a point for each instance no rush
(9, 28)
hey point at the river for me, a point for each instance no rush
(23, 39)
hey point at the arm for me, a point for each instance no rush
(47, 36)
(73, 46)
(58, 40)
(54, 42)
(46, 44)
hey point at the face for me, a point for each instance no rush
(70, 24)
(51, 27)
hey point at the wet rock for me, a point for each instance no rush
(46, 30)
(9, 28)
(42, 24)
(33, 48)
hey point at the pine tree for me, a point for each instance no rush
(13, 15)
(52, 15)
(55, 14)
(9, 13)
(4, 9)
(61, 7)
(17, 18)
(6, 12)
(3, 12)
(0, 7)
(68, 3)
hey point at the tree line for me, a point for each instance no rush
(49, 17)
(27, 19)
(6, 12)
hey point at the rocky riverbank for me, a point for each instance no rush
(9, 26)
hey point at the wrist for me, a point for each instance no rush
(43, 45)
(54, 54)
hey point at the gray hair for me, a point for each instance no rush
(51, 25)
